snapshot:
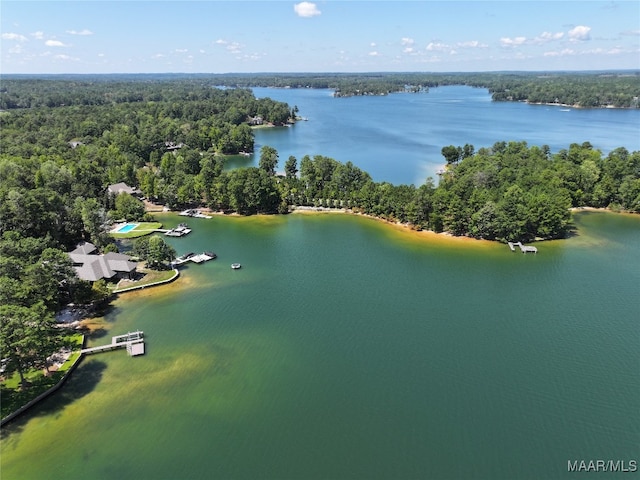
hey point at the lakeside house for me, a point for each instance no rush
(118, 188)
(172, 147)
(91, 266)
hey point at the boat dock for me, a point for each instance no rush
(179, 231)
(193, 213)
(132, 341)
(523, 248)
(195, 258)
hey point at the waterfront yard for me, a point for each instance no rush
(149, 277)
(15, 396)
(140, 230)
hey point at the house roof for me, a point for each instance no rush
(84, 248)
(120, 262)
(118, 188)
(94, 269)
(90, 266)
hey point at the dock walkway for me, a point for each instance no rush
(523, 248)
(132, 341)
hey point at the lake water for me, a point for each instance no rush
(398, 138)
(349, 348)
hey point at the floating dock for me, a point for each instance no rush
(132, 341)
(523, 248)
(193, 213)
(180, 231)
(192, 257)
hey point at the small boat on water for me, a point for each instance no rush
(211, 254)
(235, 266)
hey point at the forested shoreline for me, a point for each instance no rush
(169, 138)
(68, 141)
(605, 89)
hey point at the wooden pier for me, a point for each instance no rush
(132, 341)
(523, 248)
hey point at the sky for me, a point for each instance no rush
(170, 36)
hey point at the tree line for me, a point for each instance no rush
(56, 162)
(620, 89)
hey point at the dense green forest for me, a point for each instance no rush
(619, 89)
(58, 155)
(64, 141)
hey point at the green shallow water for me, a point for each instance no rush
(347, 348)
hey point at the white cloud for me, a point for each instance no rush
(437, 47)
(54, 43)
(579, 33)
(65, 58)
(372, 44)
(80, 32)
(632, 33)
(513, 42)
(472, 44)
(181, 50)
(374, 54)
(233, 47)
(306, 9)
(560, 53)
(545, 37)
(14, 36)
(38, 35)
(407, 43)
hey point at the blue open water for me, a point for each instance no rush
(398, 138)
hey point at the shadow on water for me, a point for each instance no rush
(80, 383)
(98, 333)
(572, 231)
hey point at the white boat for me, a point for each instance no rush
(235, 266)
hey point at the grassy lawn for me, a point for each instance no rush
(150, 277)
(143, 228)
(14, 397)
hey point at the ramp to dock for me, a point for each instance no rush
(132, 341)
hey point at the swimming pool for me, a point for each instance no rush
(127, 227)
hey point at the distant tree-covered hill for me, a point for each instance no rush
(619, 89)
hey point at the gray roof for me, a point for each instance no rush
(92, 267)
(118, 188)
(84, 248)
(120, 262)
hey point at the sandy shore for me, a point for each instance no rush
(429, 235)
